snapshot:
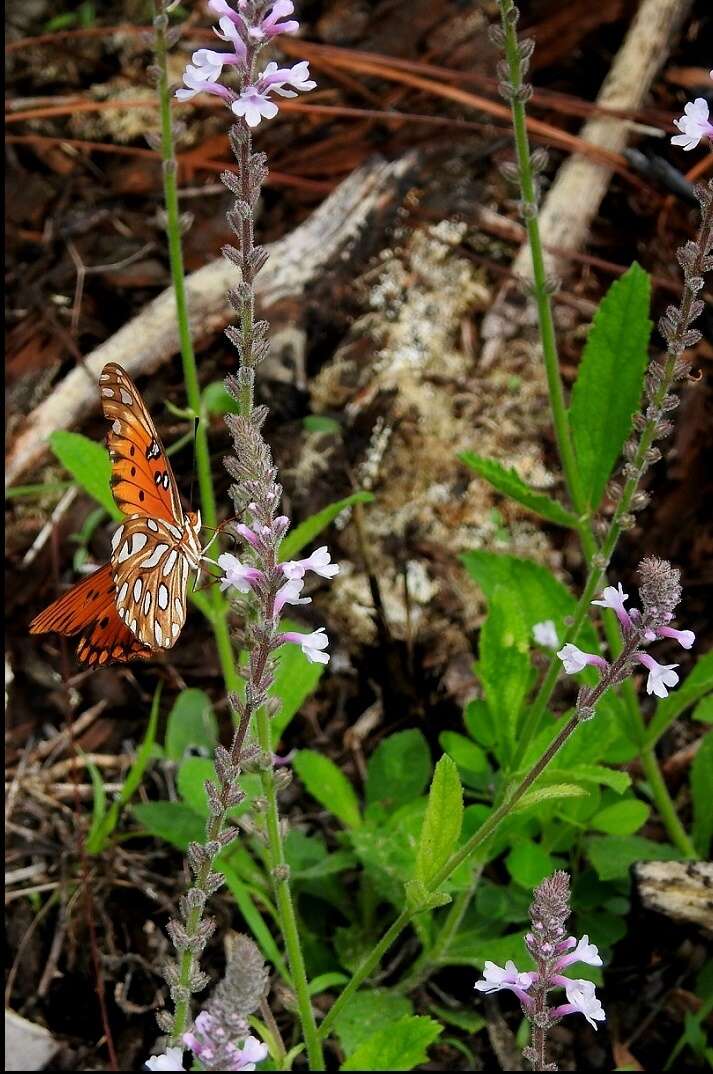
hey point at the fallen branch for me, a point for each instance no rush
(341, 228)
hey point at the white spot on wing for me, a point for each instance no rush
(121, 595)
(147, 603)
(155, 556)
(138, 586)
(168, 565)
(132, 628)
(158, 633)
(116, 538)
(175, 629)
(108, 392)
(162, 597)
(140, 540)
(152, 525)
(174, 531)
(178, 608)
(125, 397)
(116, 427)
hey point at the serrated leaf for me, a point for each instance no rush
(701, 784)
(366, 1013)
(545, 794)
(696, 685)
(504, 665)
(608, 388)
(512, 485)
(89, 464)
(613, 855)
(328, 784)
(191, 723)
(301, 535)
(442, 822)
(401, 1045)
(398, 770)
(621, 818)
(591, 773)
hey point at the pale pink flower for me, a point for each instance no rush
(312, 645)
(171, 1059)
(685, 638)
(253, 1051)
(289, 593)
(236, 574)
(574, 659)
(614, 599)
(201, 80)
(497, 978)
(582, 999)
(271, 27)
(584, 951)
(545, 634)
(694, 124)
(660, 675)
(254, 103)
(319, 562)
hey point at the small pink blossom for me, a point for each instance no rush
(270, 26)
(660, 675)
(248, 535)
(253, 1051)
(312, 645)
(574, 659)
(254, 103)
(694, 124)
(319, 562)
(201, 80)
(236, 574)
(545, 634)
(685, 638)
(289, 593)
(582, 999)
(496, 979)
(171, 1059)
(584, 951)
(614, 599)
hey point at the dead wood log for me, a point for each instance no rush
(343, 228)
(581, 183)
(681, 890)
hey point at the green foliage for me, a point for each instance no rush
(528, 863)
(320, 423)
(442, 822)
(367, 1013)
(329, 786)
(398, 770)
(89, 464)
(470, 758)
(613, 855)
(173, 822)
(697, 684)
(400, 1045)
(191, 724)
(621, 818)
(302, 535)
(608, 388)
(216, 399)
(504, 664)
(702, 791)
(512, 485)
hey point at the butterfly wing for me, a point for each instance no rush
(89, 609)
(142, 478)
(150, 571)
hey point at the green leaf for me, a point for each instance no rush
(366, 1013)
(96, 840)
(301, 535)
(398, 770)
(701, 786)
(621, 818)
(173, 822)
(540, 595)
(328, 785)
(98, 804)
(613, 855)
(327, 980)
(528, 863)
(419, 898)
(442, 822)
(469, 757)
(191, 780)
(466, 1020)
(216, 399)
(89, 464)
(320, 423)
(704, 710)
(295, 679)
(696, 685)
(545, 794)
(400, 1045)
(512, 485)
(504, 665)
(386, 847)
(191, 722)
(608, 388)
(598, 774)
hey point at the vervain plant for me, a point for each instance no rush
(419, 854)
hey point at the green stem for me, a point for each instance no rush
(457, 858)
(285, 905)
(664, 803)
(219, 617)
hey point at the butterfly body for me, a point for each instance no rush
(135, 605)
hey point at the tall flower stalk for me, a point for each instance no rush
(261, 584)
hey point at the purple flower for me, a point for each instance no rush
(545, 634)
(236, 574)
(614, 599)
(209, 1039)
(312, 645)
(201, 80)
(319, 562)
(582, 999)
(253, 1051)
(693, 124)
(249, 535)
(171, 1059)
(660, 675)
(254, 103)
(222, 8)
(584, 951)
(496, 979)
(254, 106)
(270, 27)
(575, 660)
(685, 638)
(289, 593)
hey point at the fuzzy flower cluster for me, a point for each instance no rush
(694, 124)
(246, 29)
(244, 578)
(553, 952)
(206, 1042)
(660, 593)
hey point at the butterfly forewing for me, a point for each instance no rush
(142, 478)
(150, 569)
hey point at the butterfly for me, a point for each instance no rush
(135, 605)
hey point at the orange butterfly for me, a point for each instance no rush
(135, 605)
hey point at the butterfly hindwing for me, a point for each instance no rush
(142, 478)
